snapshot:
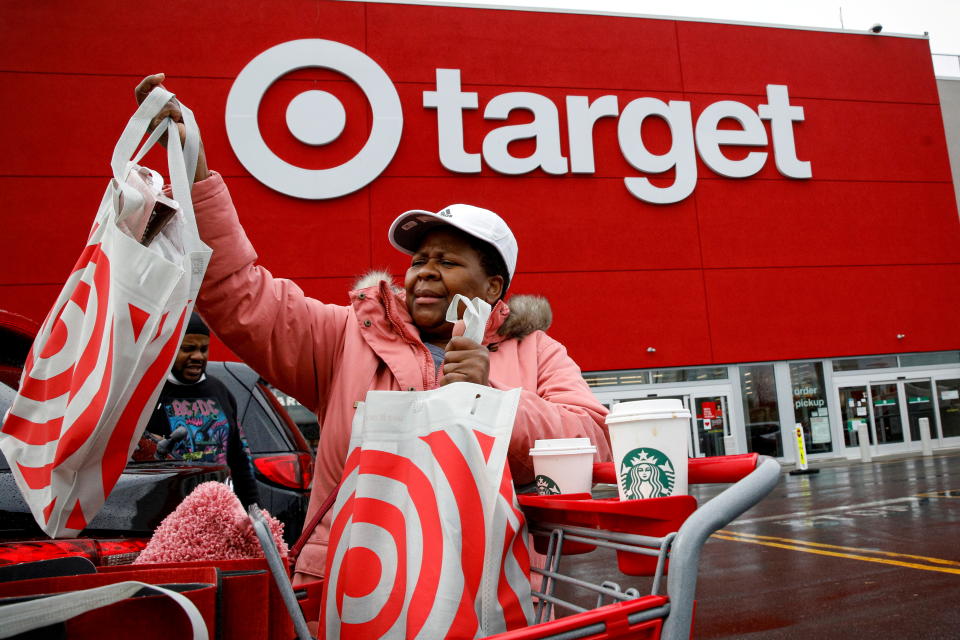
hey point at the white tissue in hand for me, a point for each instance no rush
(475, 316)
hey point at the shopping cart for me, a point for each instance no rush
(653, 537)
(649, 537)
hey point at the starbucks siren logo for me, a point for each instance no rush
(546, 486)
(647, 473)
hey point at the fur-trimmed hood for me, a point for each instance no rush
(528, 313)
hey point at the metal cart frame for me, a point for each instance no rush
(752, 478)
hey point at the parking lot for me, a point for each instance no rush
(854, 551)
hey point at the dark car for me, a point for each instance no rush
(282, 458)
(147, 492)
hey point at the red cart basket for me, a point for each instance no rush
(651, 537)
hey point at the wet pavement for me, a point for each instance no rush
(854, 551)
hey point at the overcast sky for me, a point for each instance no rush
(940, 18)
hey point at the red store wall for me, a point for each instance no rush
(749, 269)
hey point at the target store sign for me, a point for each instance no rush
(317, 118)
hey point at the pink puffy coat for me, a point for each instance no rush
(328, 356)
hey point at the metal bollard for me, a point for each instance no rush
(864, 437)
(925, 444)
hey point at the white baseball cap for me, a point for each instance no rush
(408, 229)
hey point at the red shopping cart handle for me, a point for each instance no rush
(717, 469)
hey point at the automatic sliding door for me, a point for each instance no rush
(711, 425)
(920, 405)
(886, 413)
(855, 409)
(948, 398)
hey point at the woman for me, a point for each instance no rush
(329, 356)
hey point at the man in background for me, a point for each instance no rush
(196, 415)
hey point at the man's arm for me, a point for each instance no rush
(241, 467)
(238, 455)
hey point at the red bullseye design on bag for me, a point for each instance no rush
(412, 531)
(374, 520)
(69, 380)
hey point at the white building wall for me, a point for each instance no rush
(949, 89)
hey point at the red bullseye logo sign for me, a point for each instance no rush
(314, 118)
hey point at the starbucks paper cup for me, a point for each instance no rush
(649, 441)
(563, 465)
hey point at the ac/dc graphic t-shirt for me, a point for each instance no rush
(207, 413)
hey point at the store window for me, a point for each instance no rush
(927, 359)
(692, 374)
(810, 405)
(655, 376)
(760, 409)
(872, 362)
(948, 397)
(892, 361)
(612, 378)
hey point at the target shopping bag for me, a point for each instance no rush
(427, 539)
(96, 368)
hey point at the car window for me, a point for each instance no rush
(6, 399)
(306, 420)
(265, 433)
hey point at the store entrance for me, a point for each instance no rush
(892, 410)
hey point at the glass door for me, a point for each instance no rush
(712, 419)
(692, 449)
(710, 424)
(948, 400)
(920, 407)
(855, 409)
(887, 418)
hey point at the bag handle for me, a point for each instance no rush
(133, 132)
(139, 123)
(314, 521)
(182, 170)
(181, 160)
(21, 617)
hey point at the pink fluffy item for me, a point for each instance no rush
(210, 524)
